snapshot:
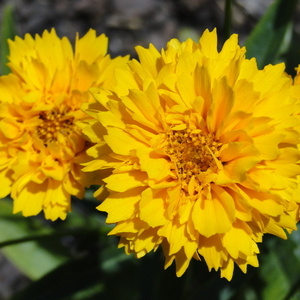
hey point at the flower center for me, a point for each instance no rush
(54, 123)
(194, 155)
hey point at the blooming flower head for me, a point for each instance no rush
(202, 153)
(41, 147)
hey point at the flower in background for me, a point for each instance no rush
(41, 148)
(203, 155)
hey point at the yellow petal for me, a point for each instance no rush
(122, 182)
(210, 217)
(237, 241)
(11, 129)
(121, 206)
(157, 168)
(152, 208)
(227, 270)
(116, 136)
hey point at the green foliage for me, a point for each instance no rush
(30, 257)
(107, 273)
(279, 273)
(271, 38)
(7, 31)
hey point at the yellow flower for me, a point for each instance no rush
(41, 148)
(202, 153)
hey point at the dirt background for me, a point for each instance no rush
(127, 23)
(134, 22)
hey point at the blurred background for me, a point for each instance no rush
(128, 23)
(134, 22)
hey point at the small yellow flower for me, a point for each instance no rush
(41, 148)
(202, 152)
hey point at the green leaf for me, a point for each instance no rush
(292, 55)
(36, 246)
(272, 35)
(32, 259)
(279, 269)
(8, 31)
(86, 277)
(66, 280)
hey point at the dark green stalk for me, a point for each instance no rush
(227, 27)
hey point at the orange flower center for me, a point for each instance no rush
(54, 123)
(192, 153)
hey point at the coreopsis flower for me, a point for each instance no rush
(202, 154)
(41, 148)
